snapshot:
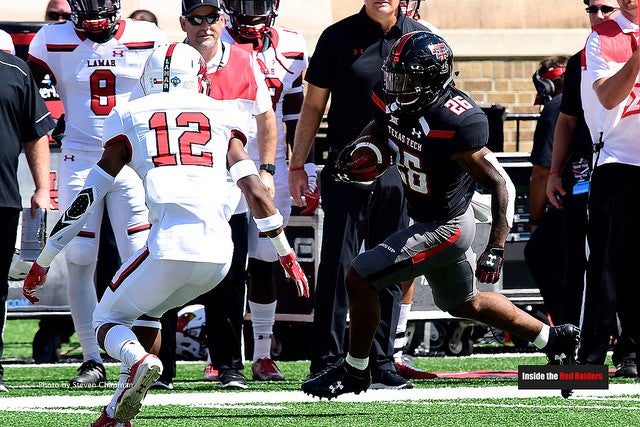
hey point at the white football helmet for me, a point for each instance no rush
(191, 340)
(173, 67)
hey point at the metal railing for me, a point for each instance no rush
(519, 117)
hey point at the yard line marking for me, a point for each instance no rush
(276, 397)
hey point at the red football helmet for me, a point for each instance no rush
(95, 17)
(363, 160)
(250, 18)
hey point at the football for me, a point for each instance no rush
(364, 159)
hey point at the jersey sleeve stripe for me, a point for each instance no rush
(444, 134)
(61, 47)
(293, 55)
(140, 45)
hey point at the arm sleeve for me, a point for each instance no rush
(73, 219)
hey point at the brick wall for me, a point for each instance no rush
(506, 82)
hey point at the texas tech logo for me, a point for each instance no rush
(439, 50)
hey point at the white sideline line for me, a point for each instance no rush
(274, 397)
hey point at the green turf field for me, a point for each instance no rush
(39, 397)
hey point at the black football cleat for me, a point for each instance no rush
(562, 347)
(338, 380)
(91, 373)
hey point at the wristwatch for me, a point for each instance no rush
(268, 167)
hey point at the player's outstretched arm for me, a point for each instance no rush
(98, 182)
(268, 219)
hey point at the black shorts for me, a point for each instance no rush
(439, 251)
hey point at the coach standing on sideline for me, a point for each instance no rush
(613, 67)
(25, 121)
(346, 65)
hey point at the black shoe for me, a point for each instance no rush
(562, 346)
(313, 375)
(627, 368)
(391, 381)
(232, 378)
(3, 387)
(91, 373)
(338, 380)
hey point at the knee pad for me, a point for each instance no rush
(82, 251)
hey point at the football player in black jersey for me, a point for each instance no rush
(439, 137)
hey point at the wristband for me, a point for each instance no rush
(554, 172)
(269, 223)
(241, 169)
(295, 169)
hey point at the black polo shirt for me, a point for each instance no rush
(572, 104)
(23, 118)
(347, 61)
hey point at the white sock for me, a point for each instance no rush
(120, 387)
(543, 337)
(81, 295)
(262, 318)
(403, 318)
(400, 340)
(120, 342)
(360, 364)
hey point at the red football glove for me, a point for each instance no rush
(312, 198)
(490, 264)
(294, 272)
(35, 279)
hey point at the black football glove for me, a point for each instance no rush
(58, 132)
(490, 264)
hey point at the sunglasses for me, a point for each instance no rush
(605, 9)
(198, 20)
(54, 16)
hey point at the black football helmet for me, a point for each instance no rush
(416, 71)
(250, 18)
(97, 18)
(410, 8)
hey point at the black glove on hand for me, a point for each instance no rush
(490, 264)
(58, 132)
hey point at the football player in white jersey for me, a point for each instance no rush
(235, 80)
(95, 59)
(179, 142)
(282, 58)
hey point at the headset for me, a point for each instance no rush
(543, 81)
